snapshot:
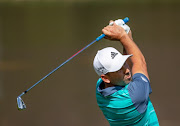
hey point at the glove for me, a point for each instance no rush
(121, 23)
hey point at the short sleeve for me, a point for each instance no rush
(139, 89)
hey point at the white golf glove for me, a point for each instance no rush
(121, 23)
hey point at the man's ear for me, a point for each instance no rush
(105, 78)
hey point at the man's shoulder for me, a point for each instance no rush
(139, 89)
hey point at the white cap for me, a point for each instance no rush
(108, 60)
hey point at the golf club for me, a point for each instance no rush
(20, 103)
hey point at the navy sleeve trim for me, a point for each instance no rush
(139, 89)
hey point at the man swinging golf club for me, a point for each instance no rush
(123, 89)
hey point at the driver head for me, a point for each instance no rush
(20, 103)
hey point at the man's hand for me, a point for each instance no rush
(114, 32)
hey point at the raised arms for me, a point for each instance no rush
(116, 32)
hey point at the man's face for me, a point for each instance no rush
(121, 77)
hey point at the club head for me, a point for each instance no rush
(20, 103)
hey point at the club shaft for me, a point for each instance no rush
(97, 39)
(59, 66)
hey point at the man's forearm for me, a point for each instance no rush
(138, 60)
(128, 60)
(131, 48)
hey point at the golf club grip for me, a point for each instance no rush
(103, 35)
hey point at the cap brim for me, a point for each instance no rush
(118, 65)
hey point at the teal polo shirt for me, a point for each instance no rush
(129, 105)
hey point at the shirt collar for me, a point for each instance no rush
(108, 91)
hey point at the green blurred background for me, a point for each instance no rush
(37, 36)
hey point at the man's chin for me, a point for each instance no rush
(124, 82)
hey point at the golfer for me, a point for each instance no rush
(123, 88)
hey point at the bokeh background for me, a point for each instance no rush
(36, 36)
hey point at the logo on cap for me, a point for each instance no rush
(101, 69)
(113, 54)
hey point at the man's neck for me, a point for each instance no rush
(108, 85)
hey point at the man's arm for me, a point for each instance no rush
(125, 52)
(116, 32)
